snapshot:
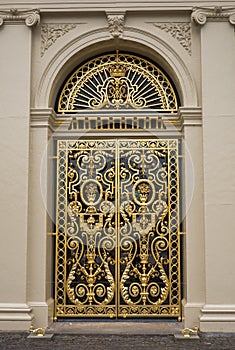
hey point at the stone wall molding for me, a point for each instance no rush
(116, 23)
(15, 312)
(221, 313)
(217, 317)
(14, 16)
(200, 15)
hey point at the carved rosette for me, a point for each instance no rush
(31, 17)
(200, 15)
(116, 25)
(179, 31)
(52, 32)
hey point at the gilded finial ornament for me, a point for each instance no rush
(117, 71)
(39, 332)
(188, 332)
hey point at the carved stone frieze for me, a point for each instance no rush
(179, 31)
(116, 25)
(51, 32)
(201, 14)
(31, 17)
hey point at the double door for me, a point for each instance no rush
(117, 244)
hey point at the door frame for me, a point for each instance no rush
(168, 131)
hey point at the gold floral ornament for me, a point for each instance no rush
(91, 191)
(117, 81)
(143, 190)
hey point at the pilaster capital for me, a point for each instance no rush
(200, 15)
(116, 21)
(14, 16)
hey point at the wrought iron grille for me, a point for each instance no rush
(117, 245)
(117, 81)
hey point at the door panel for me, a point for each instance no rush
(117, 251)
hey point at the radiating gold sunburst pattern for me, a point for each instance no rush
(117, 81)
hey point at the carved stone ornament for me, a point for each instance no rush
(179, 31)
(201, 14)
(116, 25)
(31, 17)
(51, 32)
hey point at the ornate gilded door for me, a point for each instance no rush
(117, 247)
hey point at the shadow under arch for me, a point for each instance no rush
(94, 43)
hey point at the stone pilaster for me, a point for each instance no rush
(192, 212)
(15, 84)
(218, 116)
(41, 201)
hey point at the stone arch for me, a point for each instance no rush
(94, 43)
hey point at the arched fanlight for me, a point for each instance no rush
(117, 81)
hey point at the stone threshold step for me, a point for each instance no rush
(119, 327)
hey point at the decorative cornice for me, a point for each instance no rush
(190, 116)
(218, 13)
(42, 118)
(179, 31)
(47, 118)
(116, 24)
(31, 17)
(51, 32)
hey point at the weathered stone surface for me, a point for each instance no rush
(19, 341)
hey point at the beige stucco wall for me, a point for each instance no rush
(35, 58)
